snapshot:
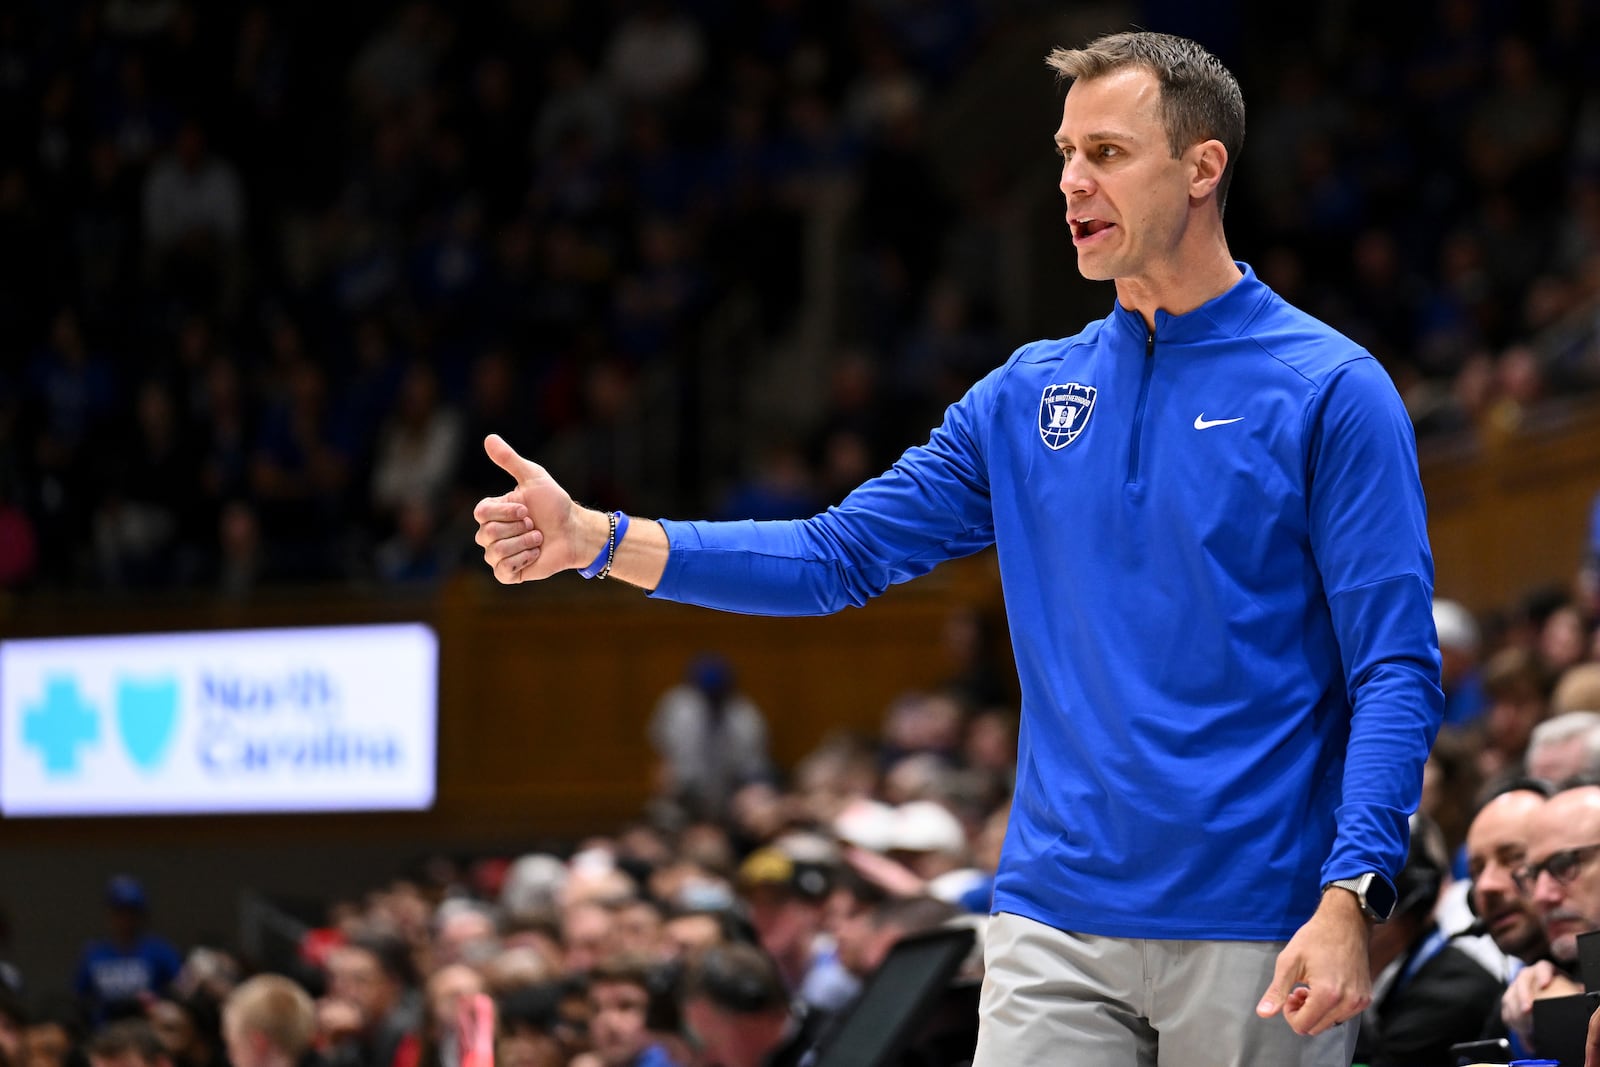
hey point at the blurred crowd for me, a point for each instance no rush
(738, 921)
(270, 271)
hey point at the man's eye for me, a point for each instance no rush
(1108, 151)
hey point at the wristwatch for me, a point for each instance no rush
(1376, 895)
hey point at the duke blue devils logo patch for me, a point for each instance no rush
(1064, 411)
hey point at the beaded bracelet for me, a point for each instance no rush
(601, 567)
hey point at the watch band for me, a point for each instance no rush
(1376, 897)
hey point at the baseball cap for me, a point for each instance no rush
(771, 867)
(925, 826)
(869, 824)
(124, 891)
(1457, 628)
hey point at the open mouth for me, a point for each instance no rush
(1085, 228)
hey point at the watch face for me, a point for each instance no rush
(1378, 896)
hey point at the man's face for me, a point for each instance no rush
(638, 930)
(246, 1047)
(861, 943)
(586, 934)
(1497, 844)
(785, 924)
(45, 1045)
(711, 1029)
(617, 1021)
(448, 987)
(356, 976)
(1117, 169)
(1566, 896)
(1560, 760)
(10, 1040)
(688, 933)
(171, 1024)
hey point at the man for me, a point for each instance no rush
(1459, 675)
(1515, 683)
(871, 930)
(13, 1018)
(1427, 993)
(127, 1043)
(736, 1010)
(1578, 689)
(1565, 747)
(787, 896)
(1497, 847)
(117, 972)
(446, 990)
(619, 1014)
(1214, 557)
(711, 738)
(1562, 880)
(373, 1013)
(268, 1021)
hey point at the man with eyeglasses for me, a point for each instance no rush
(1562, 882)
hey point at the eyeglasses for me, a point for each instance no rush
(1563, 866)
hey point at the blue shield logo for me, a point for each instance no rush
(1064, 411)
(147, 717)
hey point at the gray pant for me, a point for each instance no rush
(1051, 997)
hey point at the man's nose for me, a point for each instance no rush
(1075, 179)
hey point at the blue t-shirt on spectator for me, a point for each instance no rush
(109, 975)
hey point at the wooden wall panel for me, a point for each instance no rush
(1513, 514)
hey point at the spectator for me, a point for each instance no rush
(194, 218)
(52, 1033)
(372, 1015)
(13, 1018)
(1565, 747)
(1461, 679)
(269, 1021)
(1578, 690)
(711, 738)
(531, 1028)
(1515, 684)
(448, 988)
(588, 931)
(786, 893)
(1426, 993)
(866, 936)
(620, 995)
(127, 1043)
(1497, 847)
(736, 1004)
(116, 973)
(190, 1029)
(1562, 880)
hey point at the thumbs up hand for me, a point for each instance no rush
(531, 532)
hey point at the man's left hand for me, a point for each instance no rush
(1324, 975)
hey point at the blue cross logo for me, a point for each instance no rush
(60, 726)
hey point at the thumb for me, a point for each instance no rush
(506, 458)
(1277, 992)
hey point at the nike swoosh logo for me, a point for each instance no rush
(1202, 423)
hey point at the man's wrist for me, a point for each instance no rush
(1343, 898)
(592, 531)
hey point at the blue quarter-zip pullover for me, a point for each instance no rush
(1214, 554)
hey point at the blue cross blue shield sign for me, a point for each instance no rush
(1064, 411)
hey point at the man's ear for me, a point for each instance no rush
(1208, 160)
